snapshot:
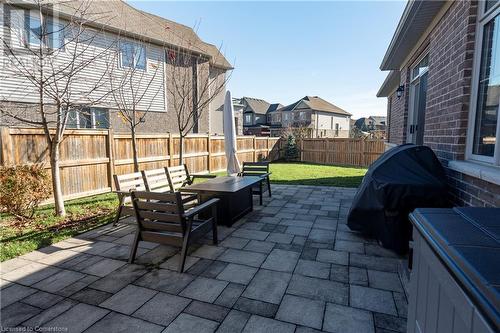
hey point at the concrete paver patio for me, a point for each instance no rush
(292, 265)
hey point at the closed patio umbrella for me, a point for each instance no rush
(233, 165)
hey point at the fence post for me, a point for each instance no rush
(302, 150)
(170, 149)
(110, 140)
(209, 162)
(363, 162)
(6, 140)
(254, 149)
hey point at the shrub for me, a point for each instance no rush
(23, 188)
(291, 151)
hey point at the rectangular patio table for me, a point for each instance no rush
(235, 194)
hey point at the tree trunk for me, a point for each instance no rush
(134, 150)
(56, 180)
(181, 149)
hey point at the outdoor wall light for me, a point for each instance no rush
(400, 90)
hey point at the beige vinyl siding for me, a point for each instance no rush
(15, 88)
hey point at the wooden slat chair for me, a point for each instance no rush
(124, 184)
(156, 180)
(178, 177)
(161, 218)
(260, 169)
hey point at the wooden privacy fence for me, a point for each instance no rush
(89, 158)
(351, 152)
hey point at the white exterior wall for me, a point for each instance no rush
(16, 88)
(324, 124)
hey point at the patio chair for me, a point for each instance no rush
(161, 218)
(124, 184)
(260, 169)
(156, 180)
(178, 177)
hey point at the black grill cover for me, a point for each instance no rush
(402, 179)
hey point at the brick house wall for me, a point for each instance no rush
(450, 46)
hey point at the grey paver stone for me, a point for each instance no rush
(401, 304)
(301, 311)
(119, 278)
(339, 273)
(41, 299)
(204, 289)
(234, 322)
(256, 307)
(259, 246)
(30, 274)
(281, 260)
(104, 267)
(91, 296)
(372, 299)
(237, 273)
(390, 322)
(207, 311)
(234, 242)
(173, 262)
(14, 293)
(186, 323)
(347, 246)
(230, 295)
(334, 257)
(376, 263)
(279, 238)
(326, 290)
(243, 257)
(49, 313)
(128, 299)
(162, 308)
(165, 280)
(384, 280)
(116, 322)
(313, 269)
(78, 318)
(58, 281)
(208, 252)
(343, 319)
(299, 231)
(358, 276)
(258, 324)
(214, 269)
(250, 234)
(16, 313)
(268, 286)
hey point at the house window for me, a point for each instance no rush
(88, 118)
(302, 115)
(248, 119)
(51, 35)
(133, 55)
(484, 129)
(337, 129)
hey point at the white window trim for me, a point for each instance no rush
(134, 64)
(483, 19)
(92, 118)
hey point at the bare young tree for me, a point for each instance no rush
(50, 51)
(133, 87)
(190, 90)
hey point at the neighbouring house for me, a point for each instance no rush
(443, 91)
(217, 118)
(118, 19)
(319, 118)
(373, 126)
(255, 116)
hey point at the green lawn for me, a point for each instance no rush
(19, 237)
(314, 174)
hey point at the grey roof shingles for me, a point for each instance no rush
(119, 17)
(316, 103)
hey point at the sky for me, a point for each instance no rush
(283, 51)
